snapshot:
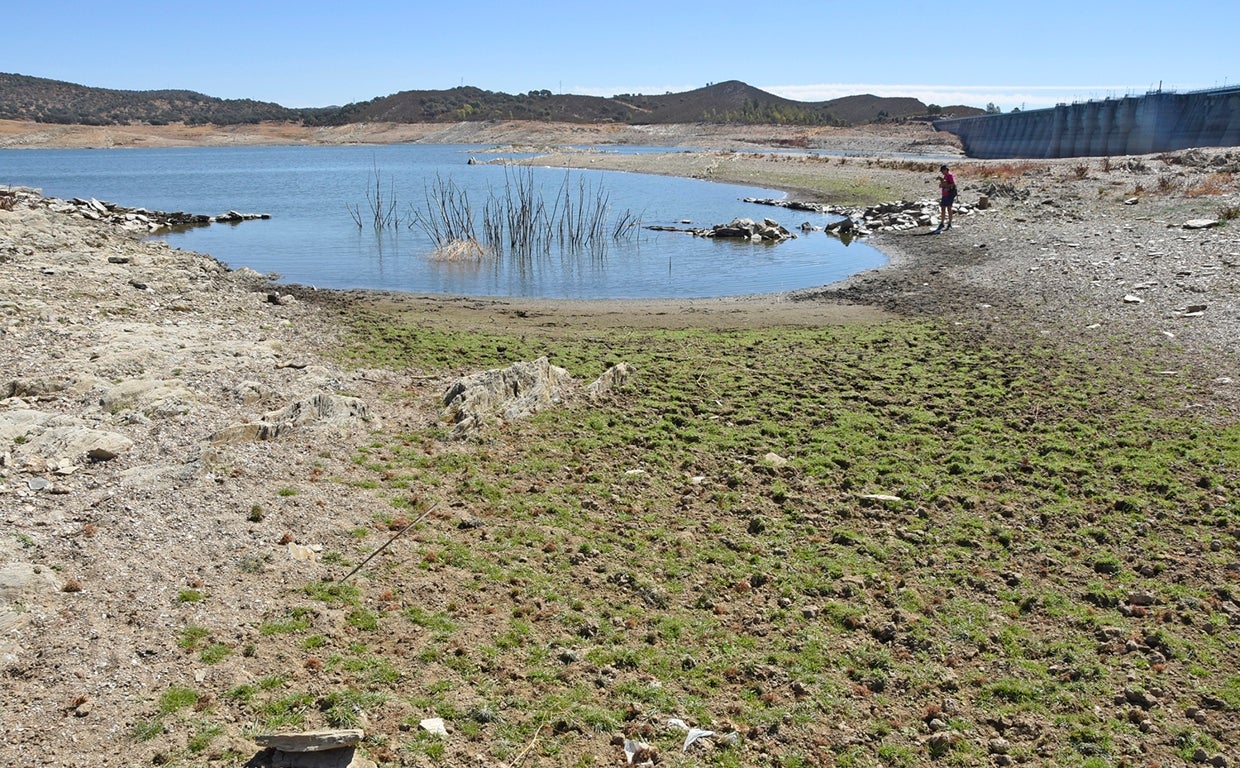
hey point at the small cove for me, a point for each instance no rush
(313, 239)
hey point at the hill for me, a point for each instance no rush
(728, 102)
(50, 101)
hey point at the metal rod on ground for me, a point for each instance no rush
(395, 536)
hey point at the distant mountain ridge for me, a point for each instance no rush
(23, 97)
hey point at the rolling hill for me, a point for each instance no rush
(50, 101)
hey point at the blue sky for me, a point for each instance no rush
(312, 53)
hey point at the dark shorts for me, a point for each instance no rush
(947, 200)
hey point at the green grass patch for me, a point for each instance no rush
(644, 552)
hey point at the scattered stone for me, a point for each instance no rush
(1200, 223)
(310, 741)
(775, 460)
(434, 726)
(304, 553)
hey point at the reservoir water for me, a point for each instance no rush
(315, 195)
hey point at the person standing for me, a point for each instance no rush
(947, 198)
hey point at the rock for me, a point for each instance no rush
(251, 392)
(19, 580)
(773, 459)
(310, 741)
(233, 217)
(322, 409)
(1140, 698)
(49, 447)
(841, 226)
(164, 397)
(21, 585)
(434, 726)
(741, 228)
(505, 394)
(35, 387)
(614, 377)
(1200, 223)
(303, 553)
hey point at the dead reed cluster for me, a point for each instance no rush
(520, 219)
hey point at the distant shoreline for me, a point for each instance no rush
(877, 138)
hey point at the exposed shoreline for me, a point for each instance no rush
(155, 360)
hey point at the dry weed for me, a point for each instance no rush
(460, 250)
(1167, 183)
(1003, 171)
(1214, 184)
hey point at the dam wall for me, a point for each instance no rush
(1133, 125)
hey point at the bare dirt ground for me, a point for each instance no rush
(110, 551)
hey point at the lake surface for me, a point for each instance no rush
(314, 239)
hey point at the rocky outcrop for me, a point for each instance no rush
(322, 409)
(518, 391)
(50, 442)
(504, 394)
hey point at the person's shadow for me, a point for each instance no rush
(340, 757)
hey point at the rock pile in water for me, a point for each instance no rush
(893, 216)
(134, 219)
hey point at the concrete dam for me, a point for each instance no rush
(1133, 125)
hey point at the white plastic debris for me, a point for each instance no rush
(694, 735)
(638, 753)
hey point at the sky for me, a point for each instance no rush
(314, 53)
